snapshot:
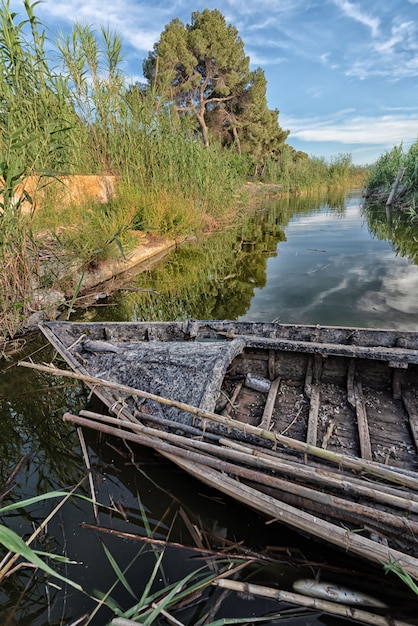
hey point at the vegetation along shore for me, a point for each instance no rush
(179, 150)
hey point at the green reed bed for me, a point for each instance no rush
(297, 172)
(384, 173)
(74, 111)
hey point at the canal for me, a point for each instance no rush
(315, 260)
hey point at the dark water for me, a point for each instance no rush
(310, 260)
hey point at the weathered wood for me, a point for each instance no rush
(395, 186)
(270, 461)
(363, 427)
(313, 416)
(351, 397)
(343, 509)
(325, 606)
(269, 406)
(328, 434)
(308, 377)
(397, 384)
(317, 368)
(208, 329)
(146, 361)
(406, 479)
(231, 402)
(272, 364)
(411, 407)
(378, 353)
(284, 513)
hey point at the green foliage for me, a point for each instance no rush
(95, 90)
(33, 101)
(246, 123)
(199, 66)
(297, 172)
(203, 69)
(83, 118)
(411, 167)
(397, 569)
(383, 173)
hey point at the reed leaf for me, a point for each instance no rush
(118, 571)
(12, 542)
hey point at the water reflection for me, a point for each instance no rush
(396, 226)
(215, 277)
(313, 260)
(316, 259)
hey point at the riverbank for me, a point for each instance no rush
(77, 285)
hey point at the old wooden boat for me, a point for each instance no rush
(315, 427)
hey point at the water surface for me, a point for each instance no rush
(311, 260)
(316, 260)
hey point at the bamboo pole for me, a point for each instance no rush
(406, 479)
(333, 608)
(254, 457)
(305, 522)
(325, 503)
(273, 507)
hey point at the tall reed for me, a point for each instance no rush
(32, 132)
(384, 173)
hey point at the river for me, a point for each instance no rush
(317, 260)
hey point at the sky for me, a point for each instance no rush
(342, 73)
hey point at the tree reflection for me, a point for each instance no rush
(215, 277)
(395, 226)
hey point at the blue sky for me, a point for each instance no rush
(343, 73)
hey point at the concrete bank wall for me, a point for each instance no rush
(66, 190)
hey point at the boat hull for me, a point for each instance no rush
(315, 427)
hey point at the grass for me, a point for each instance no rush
(297, 172)
(384, 172)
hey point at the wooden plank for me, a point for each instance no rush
(135, 331)
(351, 398)
(396, 383)
(377, 353)
(269, 406)
(329, 432)
(272, 363)
(411, 408)
(230, 405)
(308, 377)
(312, 434)
(317, 368)
(363, 426)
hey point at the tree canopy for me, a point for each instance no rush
(203, 69)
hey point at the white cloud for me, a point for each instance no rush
(393, 55)
(380, 130)
(353, 11)
(397, 291)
